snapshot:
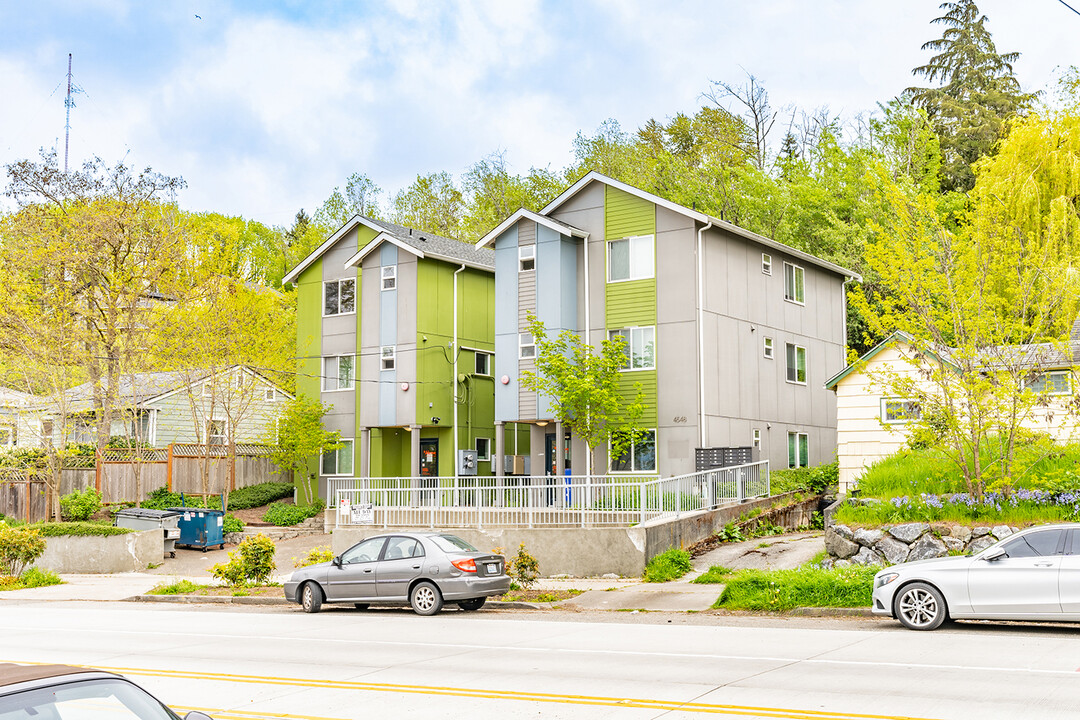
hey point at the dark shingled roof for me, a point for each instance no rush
(427, 242)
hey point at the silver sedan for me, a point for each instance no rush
(422, 570)
(1032, 575)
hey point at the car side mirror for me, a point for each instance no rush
(196, 715)
(337, 560)
(995, 554)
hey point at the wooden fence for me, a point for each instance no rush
(116, 475)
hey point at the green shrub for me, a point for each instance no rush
(714, 575)
(780, 590)
(232, 524)
(78, 506)
(314, 556)
(251, 563)
(35, 577)
(668, 565)
(523, 568)
(286, 515)
(258, 495)
(163, 499)
(814, 479)
(180, 587)
(85, 529)
(19, 547)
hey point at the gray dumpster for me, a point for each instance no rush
(146, 519)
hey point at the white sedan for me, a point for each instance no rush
(1032, 575)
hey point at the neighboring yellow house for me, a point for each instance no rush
(872, 425)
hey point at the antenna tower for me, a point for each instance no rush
(68, 103)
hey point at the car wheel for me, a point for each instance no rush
(472, 603)
(311, 597)
(361, 606)
(919, 606)
(425, 599)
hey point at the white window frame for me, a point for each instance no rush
(523, 346)
(270, 394)
(487, 363)
(207, 389)
(1048, 374)
(766, 263)
(639, 329)
(768, 348)
(389, 273)
(224, 434)
(337, 376)
(633, 470)
(485, 454)
(757, 438)
(797, 271)
(338, 282)
(351, 447)
(633, 242)
(12, 434)
(800, 438)
(898, 421)
(789, 368)
(526, 255)
(388, 360)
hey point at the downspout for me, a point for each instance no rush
(585, 250)
(454, 385)
(701, 333)
(844, 318)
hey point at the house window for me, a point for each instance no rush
(798, 450)
(339, 297)
(794, 289)
(639, 346)
(338, 373)
(270, 394)
(526, 346)
(207, 389)
(388, 357)
(483, 363)
(216, 432)
(340, 461)
(796, 364)
(766, 263)
(757, 438)
(638, 456)
(526, 258)
(389, 277)
(7, 436)
(630, 258)
(1058, 382)
(767, 347)
(896, 411)
(483, 448)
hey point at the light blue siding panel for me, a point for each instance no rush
(506, 396)
(387, 398)
(506, 325)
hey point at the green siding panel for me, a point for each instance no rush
(364, 235)
(626, 215)
(309, 341)
(630, 303)
(628, 390)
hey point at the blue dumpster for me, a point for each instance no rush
(201, 527)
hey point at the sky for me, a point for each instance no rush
(265, 107)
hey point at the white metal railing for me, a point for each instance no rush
(547, 501)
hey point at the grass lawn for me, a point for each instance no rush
(782, 590)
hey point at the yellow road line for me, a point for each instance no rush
(565, 699)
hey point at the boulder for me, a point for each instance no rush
(1001, 531)
(909, 532)
(927, 547)
(940, 528)
(961, 533)
(827, 563)
(842, 564)
(892, 549)
(979, 531)
(979, 544)
(867, 538)
(844, 531)
(953, 544)
(838, 546)
(866, 556)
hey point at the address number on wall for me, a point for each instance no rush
(679, 419)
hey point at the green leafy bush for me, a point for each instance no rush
(668, 565)
(251, 563)
(162, 499)
(314, 556)
(35, 577)
(85, 529)
(19, 547)
(285, 515)
(780, 590)
(815, 479)
(523, 568)
(232, 524)
(78, 506)
(258, 495)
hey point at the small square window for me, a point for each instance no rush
(483, 363)
(207, 389)
(757, 438)
(766, 263)
(270, 395)
(483, 448)
(526, 346)
(388, 357)
(526, 258)
(767, 347)
(389, 277)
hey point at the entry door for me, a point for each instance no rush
(1024, 582)
(429, 468)
(549, 454)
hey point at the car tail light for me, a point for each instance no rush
(466, 565)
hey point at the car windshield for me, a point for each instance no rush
(86, 700)
(452, 543)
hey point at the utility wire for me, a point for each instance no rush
(1069, 6)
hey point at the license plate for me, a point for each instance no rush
(493, 568)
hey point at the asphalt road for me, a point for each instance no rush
(342, 663)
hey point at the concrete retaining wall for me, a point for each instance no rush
(586, 552)
(130, 552)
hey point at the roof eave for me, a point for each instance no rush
(318, 252)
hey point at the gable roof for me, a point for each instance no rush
(701, 217)
(139, 389)
(557, 225)
(436, 246)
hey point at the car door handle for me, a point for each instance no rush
(1044, 564)
(367, 571)
(415, 567)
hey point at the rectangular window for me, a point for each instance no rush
(389, 277)
(340, 461)
(526, 346)
(270, 394)
(638, 456)
(896, 411)
(1058, 382)
(339, 297)
(794, 288)
(639, 346)
(7, 436)
(483, 363)
(207, 389)
(387, 357)
(798, 450)
(796, 364)
(630, 258)
(766, 263)
(338, 373)
(216, 433)
(757, 439)
(483, 448)
(526, 258)
(767, 348)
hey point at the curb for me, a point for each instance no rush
(832, 612)
(245, 600)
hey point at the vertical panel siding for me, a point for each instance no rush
(309, 330)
